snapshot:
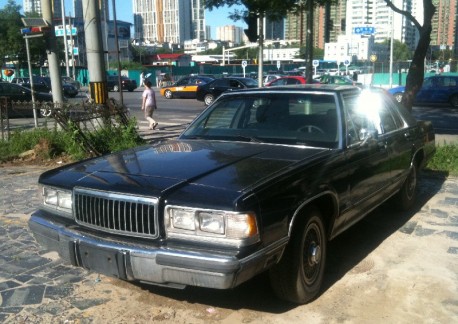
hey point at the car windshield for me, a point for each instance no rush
(278, 118)
(250, 82)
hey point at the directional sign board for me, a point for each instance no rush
(364, 30)
(60, 31)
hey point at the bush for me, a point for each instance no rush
(445, 159)
(50, 144)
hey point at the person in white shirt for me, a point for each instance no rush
(149, 104)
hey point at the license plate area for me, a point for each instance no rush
(105, 261)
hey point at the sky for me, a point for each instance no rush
(213, 18)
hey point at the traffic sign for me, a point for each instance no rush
(59, 30)
(364, 30)
(315, 63)
(278, 65)
(373, 58)
(244, 63)
(347, 62)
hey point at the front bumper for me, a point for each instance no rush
(155, 265)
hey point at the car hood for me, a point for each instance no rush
(167, 166)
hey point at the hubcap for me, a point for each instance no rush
(312, 254)
(315, 254)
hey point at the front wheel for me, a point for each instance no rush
(208, 99)
(45, 111)
(299, 274)
(398, 96)
(454, 101)
(168, 94)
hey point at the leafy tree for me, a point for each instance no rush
(401, 51)
(417, 67)
(11, 42)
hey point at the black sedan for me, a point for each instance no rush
(126, 83)
(260, 181)
(43, 84)
(15, 93)
(210, 91)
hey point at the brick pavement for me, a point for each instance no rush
(36, 287)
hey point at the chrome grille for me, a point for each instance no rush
(116, 213)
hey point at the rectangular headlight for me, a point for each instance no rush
(214, 226)
(57, 199)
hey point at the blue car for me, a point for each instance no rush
(437, 89)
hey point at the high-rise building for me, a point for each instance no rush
(35, 6)
(230, 33)
(377, 15)
(444, 23)
(169, 21)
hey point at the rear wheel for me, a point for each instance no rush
(208, 99)
(168, 94)
(454, 101)
(405, 198)
(298, 276)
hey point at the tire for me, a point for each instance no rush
(168, 94)
(398, 96)
(454, 101)
(45, 112)
(116, 88)
(208, 99)
(294, 278)
(406, 196)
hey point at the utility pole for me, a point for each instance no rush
(117, 53)
(64, 25)
(261, 50)
(94, 52)
(53, 63)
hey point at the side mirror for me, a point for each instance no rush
(366, 135)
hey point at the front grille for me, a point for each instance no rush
(116, 213)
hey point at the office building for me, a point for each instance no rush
(169, 21)
(30, 6)
(230, 33)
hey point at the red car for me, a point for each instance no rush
(287, 80)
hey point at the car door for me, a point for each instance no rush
(181, 87)
(219, 86)
(431, 90)
(368, 172)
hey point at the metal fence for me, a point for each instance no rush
(81, 118)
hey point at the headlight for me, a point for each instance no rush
(217, 226)
(57, 199)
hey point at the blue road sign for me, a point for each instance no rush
(364, 30)
(60, 31)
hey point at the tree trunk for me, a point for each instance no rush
(417, 68)
(309, 42)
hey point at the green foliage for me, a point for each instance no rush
(54, 143)
(11, 42)
(445, 159)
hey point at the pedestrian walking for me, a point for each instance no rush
(149, 104)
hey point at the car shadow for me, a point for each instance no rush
(344, 253)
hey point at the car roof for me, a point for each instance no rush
(329, 88)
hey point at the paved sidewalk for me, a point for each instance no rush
(35, 286)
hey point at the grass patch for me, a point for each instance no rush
(52, 143)
(445, 159)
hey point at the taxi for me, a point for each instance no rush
(186, 87)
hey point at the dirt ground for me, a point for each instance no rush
(390, 268)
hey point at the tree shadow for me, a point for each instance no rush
(344, 253)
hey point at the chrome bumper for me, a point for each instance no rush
(154, 265)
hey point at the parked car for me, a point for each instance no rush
(127, 84)
(438, 89)
(208, 92)
(270, 77)
(186, 87)
(72, 81)
(288, 80)
(259, 181)
(39, 84)
(336, 79)
(16, 93)
(43, 84)
(68, 89)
